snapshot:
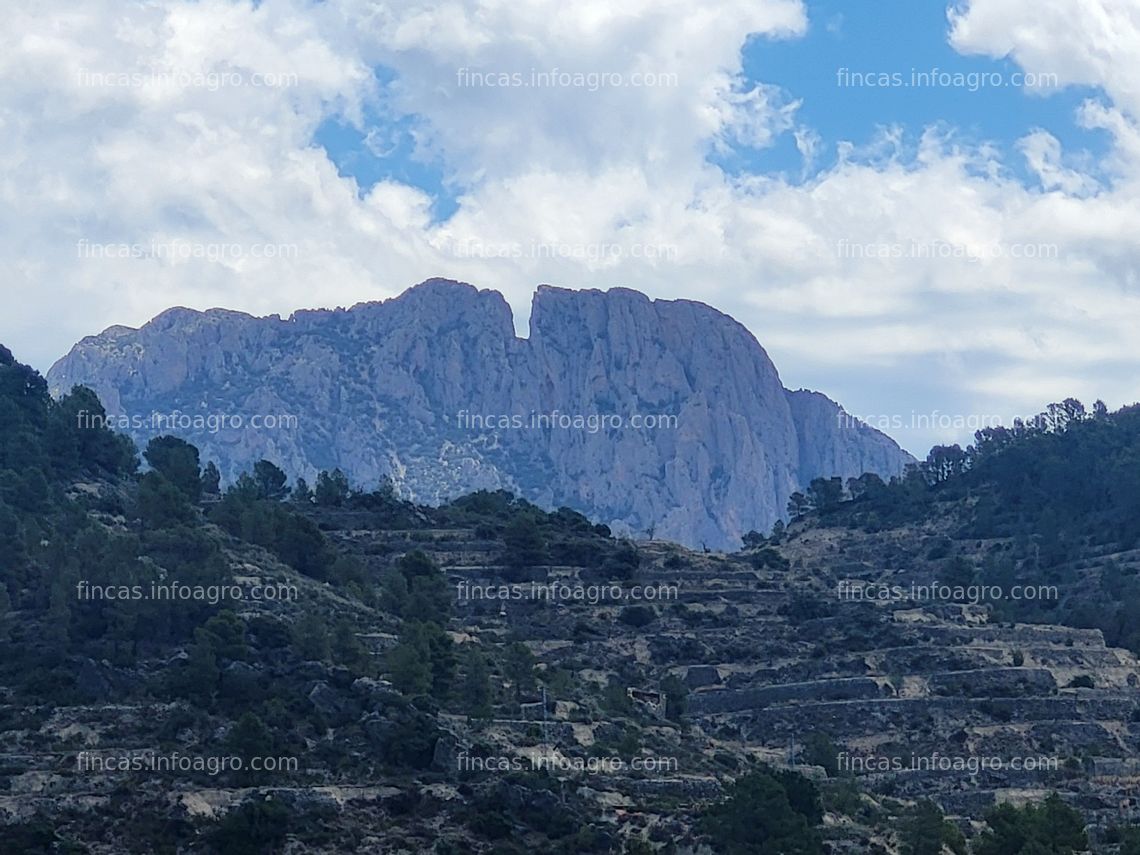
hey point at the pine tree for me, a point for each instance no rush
(211, 480)
(525, 544)
(311, 638)
(923, 830)
(477, 692)
(349, 651)
(250, 739)
(202, 674)
(302, 492)
(519, 668)
(177, 461)
(332, 489)
(270, 481)
(409, 664)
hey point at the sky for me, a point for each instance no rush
(927, 212)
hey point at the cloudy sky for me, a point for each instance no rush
(917, 209)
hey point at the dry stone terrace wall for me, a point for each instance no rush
(993, 682)
(727, 700)
(856, 718)
(758, 677)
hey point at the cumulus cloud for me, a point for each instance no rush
(1042, 151)
(904, 278)
(1089, 42)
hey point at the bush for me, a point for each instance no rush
(177, 461)
(252, 829)
(1049, 828)
(332, 489)
(766, 812)
(161, 504)
(819, 750)
(525, 545)
(926, 832)
(637, 616)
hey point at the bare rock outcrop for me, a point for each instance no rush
(649, 415)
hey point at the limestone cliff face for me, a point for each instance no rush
(852, 444)
(662, 416)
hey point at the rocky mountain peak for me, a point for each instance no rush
(649, 415)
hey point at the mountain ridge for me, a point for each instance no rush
(382, 389)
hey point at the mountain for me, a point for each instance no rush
(434, 390)
(354, 673)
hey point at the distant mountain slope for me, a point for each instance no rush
(415, 388)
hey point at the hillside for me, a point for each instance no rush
(420, 687)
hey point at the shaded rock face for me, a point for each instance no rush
(433, 390)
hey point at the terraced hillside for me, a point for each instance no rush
(776, 666)
(359, 674)
(665, 676)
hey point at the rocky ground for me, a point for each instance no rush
(752, 656)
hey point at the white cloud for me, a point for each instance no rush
(1086, 42)
(578, 185)
(1042, 151)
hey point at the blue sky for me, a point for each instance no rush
(873, 36)
(818, 69)
(371, 169)
(384, 149)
